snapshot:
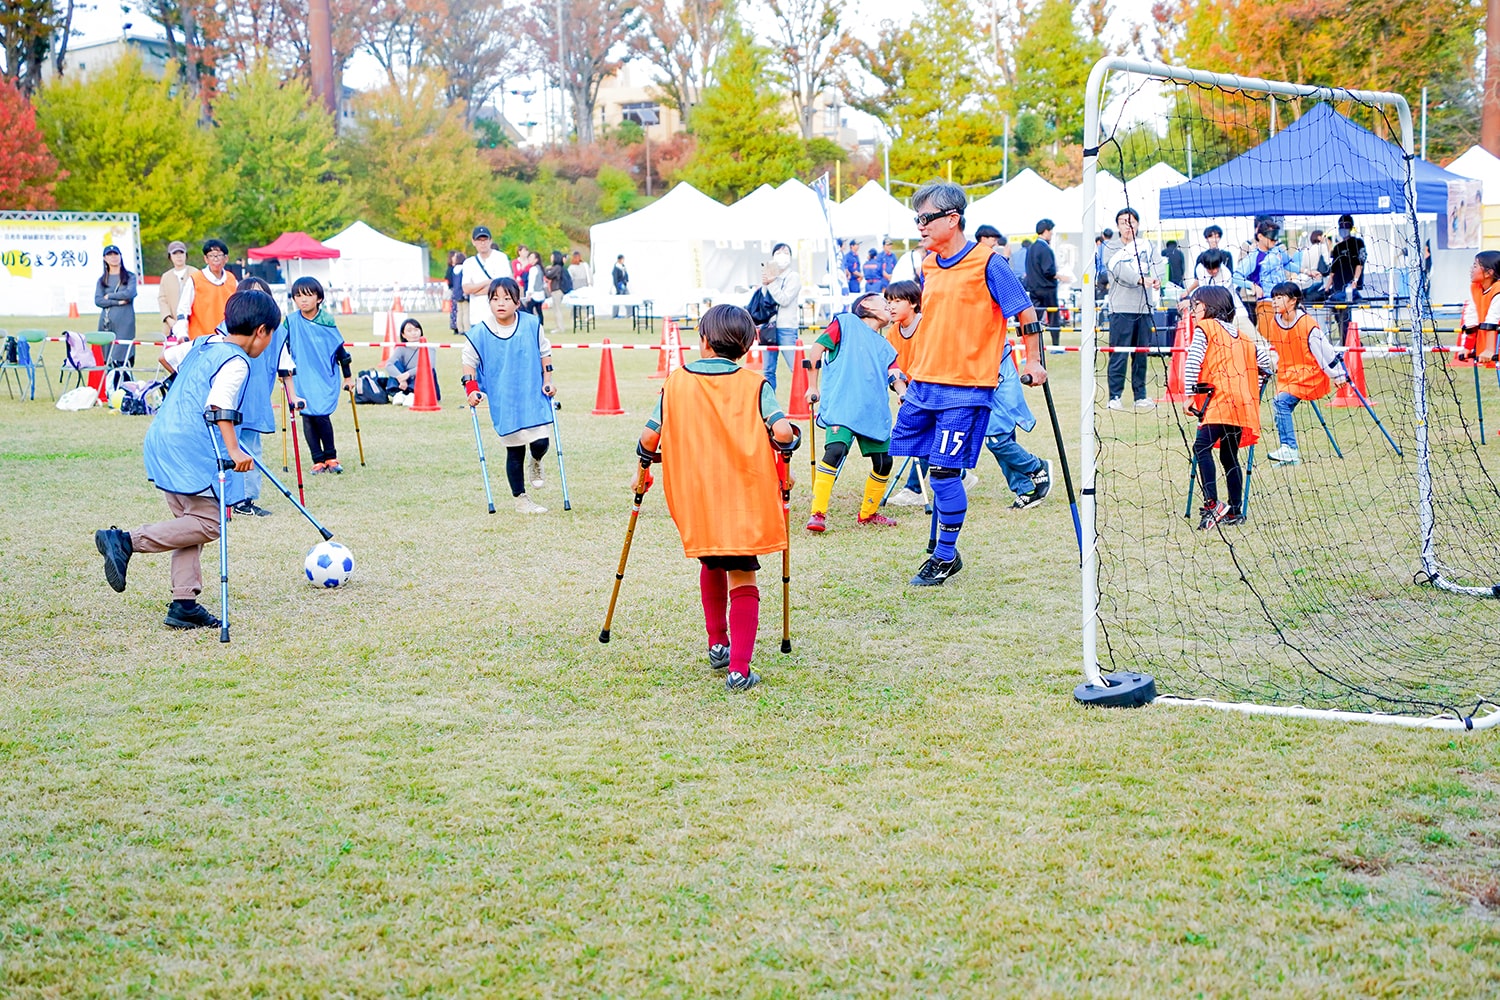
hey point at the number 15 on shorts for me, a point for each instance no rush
(957, 442)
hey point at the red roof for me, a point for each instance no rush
(293, 246)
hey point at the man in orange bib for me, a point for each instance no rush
(722, 441)
(200, 308)
(968, 293)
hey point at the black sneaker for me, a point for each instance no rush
(741, 682)
(935, 572)
(190, 614)
(718, 656)
(1041, 485)
(1211, 514)
(247, 508)
(114, 545)
(1233, 519)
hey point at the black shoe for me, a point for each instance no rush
(247, 508)
(741, 682)
(190, 614)
(935, 572)
(718, 656)
(1211, 514)
(1233, 519)
(114, 545)
(1041, 485)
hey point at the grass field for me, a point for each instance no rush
(437, 782)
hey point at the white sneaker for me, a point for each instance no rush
(534, 471)
(970, 480)
(1285, 456)
(1117, 403)
(526, 505)
(906, 498)
(1144, 405)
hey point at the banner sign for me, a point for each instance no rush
(52, 260)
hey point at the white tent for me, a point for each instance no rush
(790, 214)
(1483, 166)
(872, 213)
(1017, 206)
(662, 244)
(370, 259)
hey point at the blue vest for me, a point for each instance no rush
(854, 382)
(314, 345)
(259, 416)
(179, 445)
(1008, 409)
(510, 374)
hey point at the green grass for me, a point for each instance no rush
(437, 782)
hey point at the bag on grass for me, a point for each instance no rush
(369, 387)
(81, 398)
(141, 399)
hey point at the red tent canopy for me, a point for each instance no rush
(293, 246)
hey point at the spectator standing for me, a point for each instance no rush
(990, 236)
(520, 266)
(559, 283)
(781, 281)
(1176, 263)
(851, 272)
(458, 303)
(887, 262)
(908, 266)
(620, 278)
(169, 292)
(200, 308)
(536, 285)
(1314, 261)
(579, 272)
(1018, 261)
(114, 294)
(1041, 279)
(1133, 286)
(1346, 271)
(484, 266)
(1265, 266)
(874, 272)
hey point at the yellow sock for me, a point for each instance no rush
(874, 490)
(823, 477)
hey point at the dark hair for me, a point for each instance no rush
(780, 246)
(1316, 234)
(251, 283)
(906, 291)
(249, 310)
(1127, 210)
(1489, 260)
(1001, 241)
(1171, 243)
(506, 285)
(987, 231)
(1346, 220)
(728, 329)
(873, 254)
(410, 322)
(1290, 289)
(215, 244)
(557, 258)
(1044, 225)
(1109, 233)
(124, 271)
(1218, 303)
(1213, 259)
(307, 283)
(1213, 231)
(858, 307)
(1268, 229)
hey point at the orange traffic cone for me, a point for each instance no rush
(425, 399)
(346, 307)
(1177, 365)
(797, 408)
(72, 310)
(396, 305)
(391, 338)
(677, 354)
(661, 355)
(607, 397)
(1354, 364)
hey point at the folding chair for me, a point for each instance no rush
(98, 338)
(29, 345)
(119, 364)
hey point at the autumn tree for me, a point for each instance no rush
(809, 44)
(682, 40)
(132, 144)
(28, 171)
(745, 139)
(30, 31)
(595, 38)
(473, 43)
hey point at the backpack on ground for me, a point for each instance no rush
(369, 387)
(141, 399)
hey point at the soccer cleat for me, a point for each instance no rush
(818, 523)
(534, 471)
(1117, 403)
(114, 545)
(935, 572)
(189, 614)
(1233, 519)
(1285, 456)
(741, 682)
(247, 508)
(718, 656)
(526, 505)
(1041, 485)
(877, 520)
(906, 498)
(1211, 514)
(1144, 405)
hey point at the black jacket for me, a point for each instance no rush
(1041, 269)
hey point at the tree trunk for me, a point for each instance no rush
(1489, 115)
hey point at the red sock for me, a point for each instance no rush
(713, 584)
(744, 618)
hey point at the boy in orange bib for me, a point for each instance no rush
(1307, 366)
(1222, 366)
(723, 444)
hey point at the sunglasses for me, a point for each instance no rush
(928, 218)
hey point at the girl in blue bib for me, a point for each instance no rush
(319, 356)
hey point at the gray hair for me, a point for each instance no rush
(940, 196)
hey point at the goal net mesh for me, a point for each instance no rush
(1322, 598)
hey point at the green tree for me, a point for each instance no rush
(279, 158)
(745, 138)
(617, 194)
(415, 169)
(1053, 58)
(129, 144)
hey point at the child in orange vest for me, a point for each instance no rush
(1307, 366)
(724, 445)
(1221, 367)
(1481, 315)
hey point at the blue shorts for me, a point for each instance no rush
(949, 438)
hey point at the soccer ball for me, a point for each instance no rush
(328, 565)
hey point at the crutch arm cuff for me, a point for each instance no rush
(790, 446)
(646, 455)
(215, 415)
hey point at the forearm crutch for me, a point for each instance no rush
(786, 555)
(1187, 511)
(283, 439)
(1062, 456)
(900, 475)
(1479, 403)
(1371, 411)
(296, 446)
(642, 483)
(1319, 414)
(288, 494)
(354, 409)
(224, 465)
(1250, 464)
(562, 473)
(484, 469)
(925, 480)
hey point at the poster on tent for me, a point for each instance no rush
(1463, 225)
(50, 260)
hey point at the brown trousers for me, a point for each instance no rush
(195, 520)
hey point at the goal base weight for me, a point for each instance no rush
(1125, 690)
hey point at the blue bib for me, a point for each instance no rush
(179, 445)
(510, 374)
(1008, 409)
(854, 382)
(259, 415)
(314, 344)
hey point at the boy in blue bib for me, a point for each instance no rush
(195, 425)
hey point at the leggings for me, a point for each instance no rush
(836, 451)
(319, 433)
(1228, 441)
(515, 459)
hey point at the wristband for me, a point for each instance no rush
(467, 381)
(546, 368)
(807, 363)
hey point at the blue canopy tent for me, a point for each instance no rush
(1321, 164)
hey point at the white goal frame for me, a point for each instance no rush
(1088, 355)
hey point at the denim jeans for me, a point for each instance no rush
(1015, 462)
(784, 338)
(1286, 431)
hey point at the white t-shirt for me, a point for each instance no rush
(224, 389)
(474, 269)
(470, 357)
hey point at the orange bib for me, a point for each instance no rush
(1297, 370)
(208, 304)
(1484, 340)
(1229, 366)
(903, 345)
(718, 469)
(963, 331)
